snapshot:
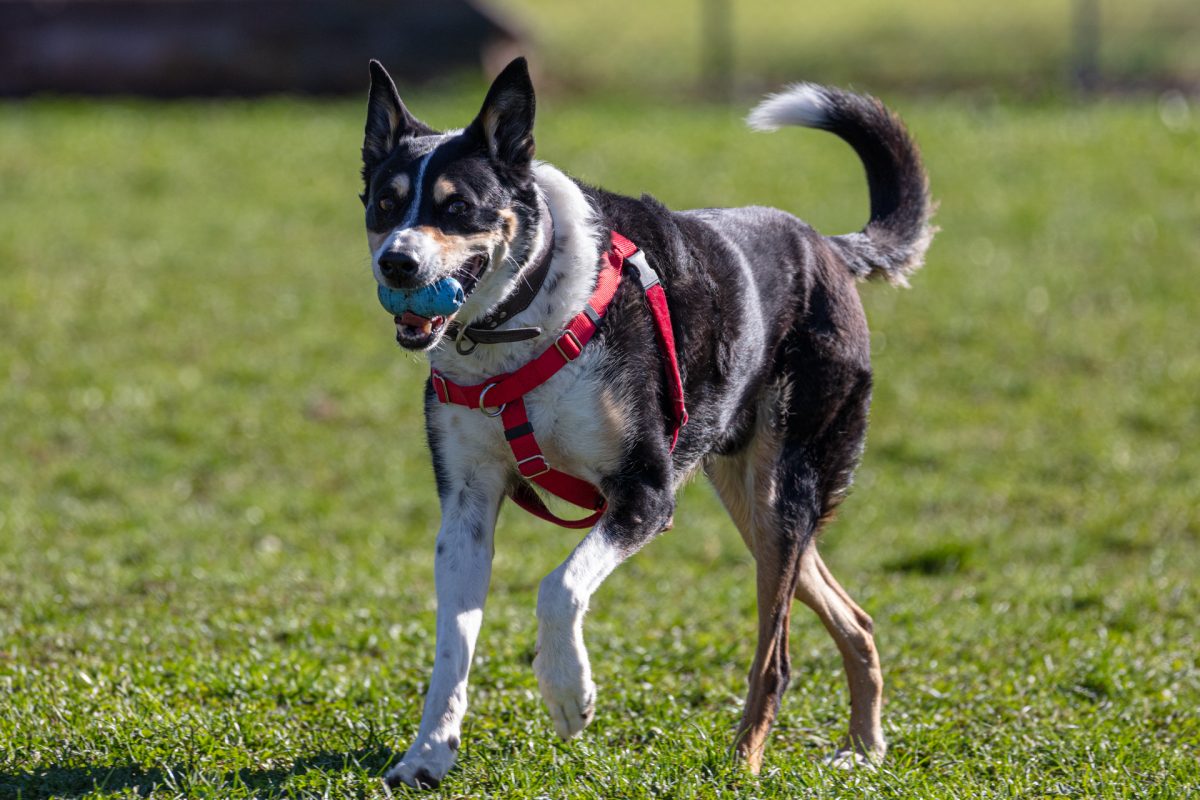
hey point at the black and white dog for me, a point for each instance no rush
(772, 346)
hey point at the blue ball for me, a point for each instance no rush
(439, 299)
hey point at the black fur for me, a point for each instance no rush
(505, 123)
(388, 121)
(813, 337)
(435, 446)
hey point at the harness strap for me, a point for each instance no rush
(656, 298)
(532, 465)
(506, 392)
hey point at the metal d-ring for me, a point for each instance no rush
(482, 408)
(458, 345)
(458, 342)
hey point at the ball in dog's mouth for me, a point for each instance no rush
(415, 331)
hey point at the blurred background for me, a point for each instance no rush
(216, 508)
(709, 48)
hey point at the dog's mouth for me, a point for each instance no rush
(415, 332)
(471, 271)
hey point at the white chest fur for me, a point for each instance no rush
(576, 419)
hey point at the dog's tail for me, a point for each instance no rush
(892, 245)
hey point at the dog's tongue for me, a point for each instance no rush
(423, 324)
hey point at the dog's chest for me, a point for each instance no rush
(579, 422)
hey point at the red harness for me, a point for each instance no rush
(507, 392)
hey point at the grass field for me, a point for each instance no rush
(1021, 46)
(216, 517)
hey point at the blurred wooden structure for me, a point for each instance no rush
(1085, 46)
(172, 48)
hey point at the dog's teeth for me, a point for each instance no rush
(417, 323)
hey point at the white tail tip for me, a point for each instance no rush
(804, 104)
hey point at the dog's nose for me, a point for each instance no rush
(396, 265)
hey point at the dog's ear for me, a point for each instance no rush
(388, 121)
(505, 123)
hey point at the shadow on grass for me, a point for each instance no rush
(944, 558)
(78, 781)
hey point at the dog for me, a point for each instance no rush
(770, 346)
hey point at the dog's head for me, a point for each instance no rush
(459, 204)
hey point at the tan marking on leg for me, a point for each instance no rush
(728, 476)
(746, 485)
(864, 619)
(769, 675)
(745, 482)
(850, 628)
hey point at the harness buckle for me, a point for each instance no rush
(558, 345)
(440, 390)
(482, 405)
(646, 275)
(539, 457)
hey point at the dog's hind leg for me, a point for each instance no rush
(851, 629)
(746, 485)
(778, 559)
(830, 443)
(780, 490)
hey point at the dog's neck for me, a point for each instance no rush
(573, 241)
(530, 279)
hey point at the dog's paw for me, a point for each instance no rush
(568, 691)
(423, 766)
(850, 760)
(571, 708)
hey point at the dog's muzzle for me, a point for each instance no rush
(422, 313)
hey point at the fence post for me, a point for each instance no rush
(716, 45)
(1085, 56)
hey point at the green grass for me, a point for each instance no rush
(1023, 46)
(216, 517)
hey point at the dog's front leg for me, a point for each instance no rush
(561, 665)
(462, 571)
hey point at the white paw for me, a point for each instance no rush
(849, 759)
(424, 765)
(567, 689)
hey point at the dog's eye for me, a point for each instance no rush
(386, 204)
(457, 207)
